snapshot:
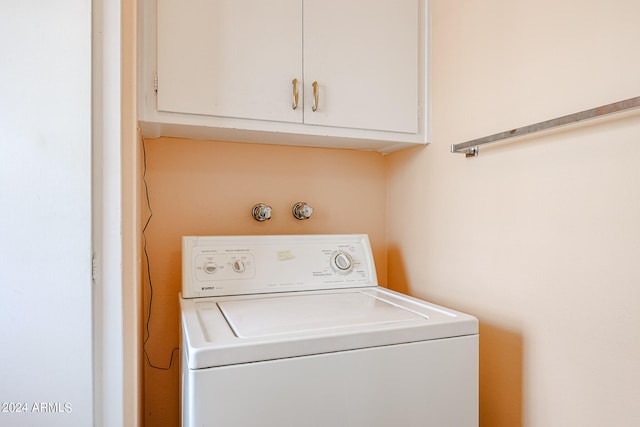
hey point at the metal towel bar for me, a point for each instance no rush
(471, 148)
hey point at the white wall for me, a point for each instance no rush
(45, 227)
(538, 238)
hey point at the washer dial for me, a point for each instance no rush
(341, 262)
(238, 266)
(210, 267)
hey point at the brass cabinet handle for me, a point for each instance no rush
(315, 96)
(294, 82)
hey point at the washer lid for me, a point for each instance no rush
(220, 331)
(261, 317)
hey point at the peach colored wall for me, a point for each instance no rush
(204, 187)
(538, 238)
(131, 175)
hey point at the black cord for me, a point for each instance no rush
(146, 255)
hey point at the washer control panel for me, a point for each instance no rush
(214, 266)
(237, 265)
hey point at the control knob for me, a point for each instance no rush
(341, 262)
(238, 266)
(210, 267)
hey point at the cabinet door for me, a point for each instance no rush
(364, 56)
(230, 58)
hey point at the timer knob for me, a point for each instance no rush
(342, 262)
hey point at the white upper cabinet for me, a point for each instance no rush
(230, 58)
(330, 73)
(363, 55)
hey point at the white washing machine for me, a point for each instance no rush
(294, 331)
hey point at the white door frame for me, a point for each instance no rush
(109, 355)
